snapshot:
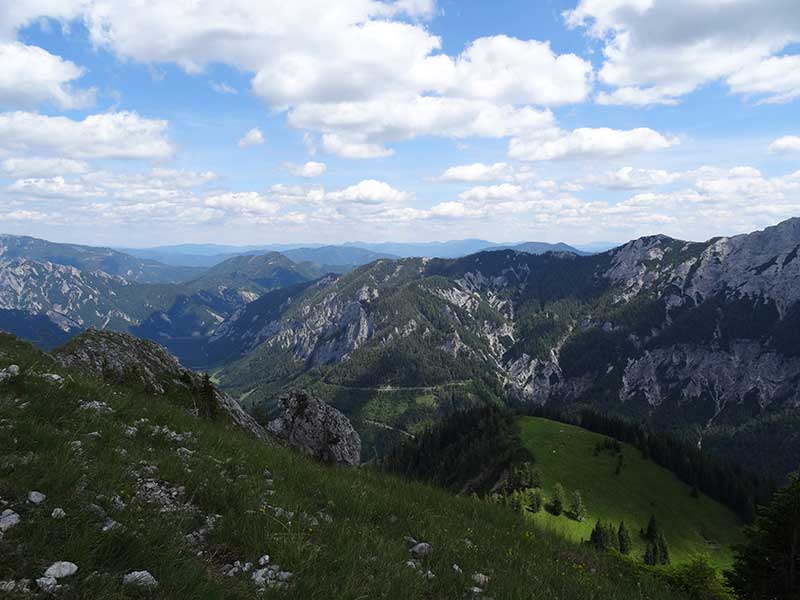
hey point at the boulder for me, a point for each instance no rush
(317, 429)
(60, 569)
(141, 580)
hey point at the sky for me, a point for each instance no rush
(154, 122)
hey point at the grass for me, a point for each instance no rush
(359, 554)
(565, 454)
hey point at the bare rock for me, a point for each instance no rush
(142, 580)
(60, 569)
(317, 429)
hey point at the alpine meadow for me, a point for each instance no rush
(400, 299)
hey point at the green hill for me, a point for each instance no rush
(137, 478)
(568, 455)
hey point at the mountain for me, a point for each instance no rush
(124, 492)
(458, 248)
(450, 249)
(204, 255)
(201, 306)
(540, 248)
(89, 258)
(178, 314)
(335, 259)
(695, 338)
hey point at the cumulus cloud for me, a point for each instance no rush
(361, 129)
(587, 143)
(42, 167)
(120, 135)
(499, 171)
(656, 51)
(324, 62)
(308, 170)
(254, 137)
(785, 144)
(629, 178)
(513, 71)
(243, 203)
(31, 75)
(369, 191)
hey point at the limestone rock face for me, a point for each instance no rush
(316, 429)
(119, 357)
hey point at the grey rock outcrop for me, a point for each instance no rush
(119, 357)
(317, 429)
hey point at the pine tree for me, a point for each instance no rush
(577, 509)
(767, 565)
(597, 537)
(557, 501)
(207, 401)
(652, 529)
(603, 536)
(662, 550)
(650, 555)
(624, 538)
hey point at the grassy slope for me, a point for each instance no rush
(360, 554)
(692, 526)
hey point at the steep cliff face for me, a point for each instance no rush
(71, 298)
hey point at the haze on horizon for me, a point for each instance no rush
(249, 123)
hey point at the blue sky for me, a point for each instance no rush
(248, 122)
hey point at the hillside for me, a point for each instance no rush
(90, 258)
(127, 483)
(567, 454)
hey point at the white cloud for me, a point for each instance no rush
(360, 129)
(121, 135)
(308, 170)
(656, 51)
(491, 192)
(42, 167)
(154, 185)
(776, 79)
(30, 75)
(512, 71)
(327, 62)
(56, 187)
(369, 191)
(629, 178)
(785, 144)
(474, 172)
(353, 146)
(243, 203)
(588, 142)
(254, 137)
(223, 88)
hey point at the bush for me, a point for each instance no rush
(698, 580)
(556, 505)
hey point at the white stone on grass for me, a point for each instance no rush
(60, 569)
(47, 584)
(142, 580)
(8, 519)
(58, 513)
(36, 497)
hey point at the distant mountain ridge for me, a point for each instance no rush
(90, 258)
(339, 257)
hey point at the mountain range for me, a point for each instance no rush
(698, 338)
